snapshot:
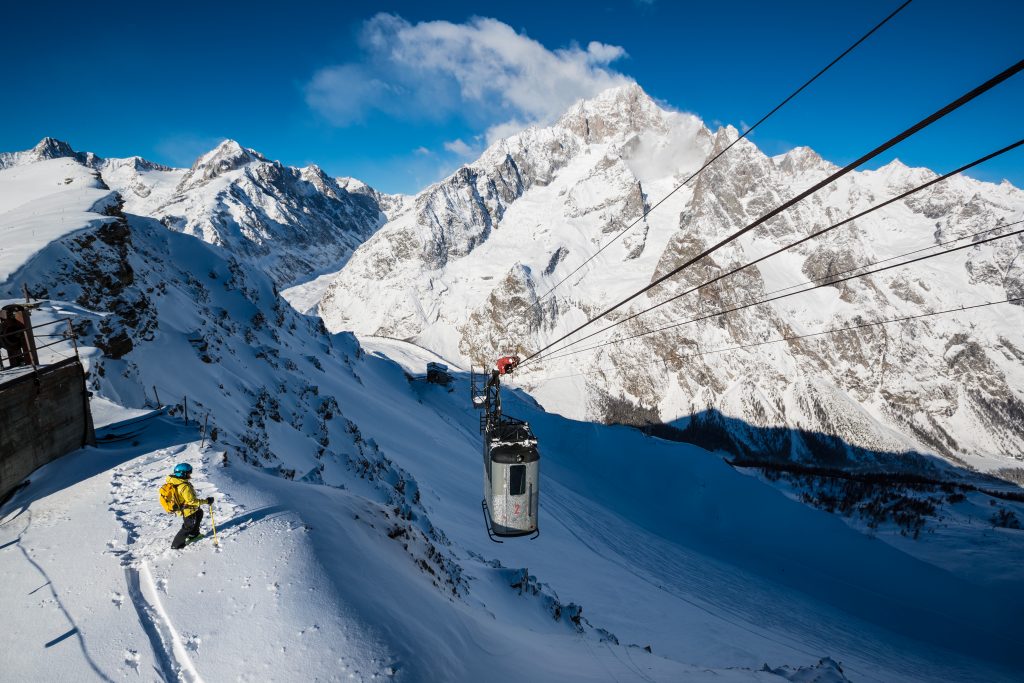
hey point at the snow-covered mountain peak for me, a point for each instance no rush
(723, 137)
(801, 160)
(47, 148)
(225, 157)
(548, 198)
(52, 148)
(136, 163)
(228, 152)
(315, 176)
(623, 110)
(898, 175)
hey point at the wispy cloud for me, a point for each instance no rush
(459, 148)
(183, 149)
(482, 72)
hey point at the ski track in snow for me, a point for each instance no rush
(133, 488)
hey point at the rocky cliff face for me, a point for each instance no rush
(290, 222)
(462, 274)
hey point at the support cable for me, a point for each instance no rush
(800, 241)
(785, 296)
(747, 132)
(917, 127)
(836, 273)
(848, 328)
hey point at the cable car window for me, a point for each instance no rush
(517, 480)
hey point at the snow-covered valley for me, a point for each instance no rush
(350, 539)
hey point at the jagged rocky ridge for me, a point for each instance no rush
(290, 222)
(463, 271)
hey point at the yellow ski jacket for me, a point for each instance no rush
(187, 501)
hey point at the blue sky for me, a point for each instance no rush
(399, 94)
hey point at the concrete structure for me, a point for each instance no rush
(44, 414)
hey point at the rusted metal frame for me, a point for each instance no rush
(31, 349)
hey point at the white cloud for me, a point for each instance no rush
(183, 149)
(482, 72)
(422, 152)
(459, 148)
(344, 93)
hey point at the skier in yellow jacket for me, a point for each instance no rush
(189, 506)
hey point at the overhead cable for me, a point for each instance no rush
(917, 127)
(747, 132)
(791, 245)
(835, 273)
(848, 328)
(759, 302)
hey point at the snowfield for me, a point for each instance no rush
(715, 571)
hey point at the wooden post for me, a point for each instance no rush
(29, 352)
(157, 394)
(74, 339)
(206, 422)
(24, 289)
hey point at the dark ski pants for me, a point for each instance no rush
(189, 528)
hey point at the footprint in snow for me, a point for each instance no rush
(193, 643)
(132, 659)
(117, 599)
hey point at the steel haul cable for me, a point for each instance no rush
(787, 247)
(892, 142)
(747, 132)
(837, 330)
(836, 273)
(784, 296)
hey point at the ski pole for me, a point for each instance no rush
(214, 525)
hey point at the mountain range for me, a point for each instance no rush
(348, 488)
(467, 270)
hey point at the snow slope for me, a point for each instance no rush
(45, 201)
(306, 584)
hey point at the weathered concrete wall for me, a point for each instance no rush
(42, 417)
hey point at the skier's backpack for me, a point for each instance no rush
(169, 497)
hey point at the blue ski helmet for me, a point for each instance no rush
(182, 470)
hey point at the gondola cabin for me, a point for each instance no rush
(511, 464)
(511, 478)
